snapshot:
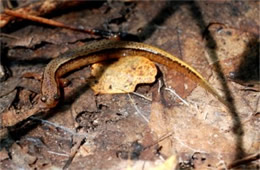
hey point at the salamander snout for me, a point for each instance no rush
(49, 102)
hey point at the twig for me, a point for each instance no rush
(178, 40)
(68, 130)
(74, 150)
(244, 160)
(159, 140)
(8, 36)
(143, 96)
(136, 108)
(161, 84)
(58, 24)
(173, 92)
(185, 145)
(59, 154)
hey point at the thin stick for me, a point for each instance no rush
(141, 95)
(179, 97)
(136, 108)
(74, 150)
(160, 140)
(65, 129)
(56, 23)
(244, 160)
(8, 36)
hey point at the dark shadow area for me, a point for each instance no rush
(211, 49)
(5, 72)
(167, 11)
(248, 73)
(32, 62)
(16, 132)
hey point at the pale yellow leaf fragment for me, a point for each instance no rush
(170, 164)
(123, 75)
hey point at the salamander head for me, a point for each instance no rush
(48, 102)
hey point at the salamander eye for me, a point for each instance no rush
(44, 99)
(56, 97)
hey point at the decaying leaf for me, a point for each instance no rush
(238, 53)
(123, 75)
(191, 135)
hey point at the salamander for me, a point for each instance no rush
(102, 50)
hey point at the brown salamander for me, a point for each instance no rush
(110, 49)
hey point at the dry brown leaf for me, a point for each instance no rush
(191, 135)
(123, 75)
(238, 54)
